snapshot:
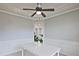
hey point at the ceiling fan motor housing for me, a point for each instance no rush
(38, 9)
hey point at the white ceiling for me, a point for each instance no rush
(16, 8)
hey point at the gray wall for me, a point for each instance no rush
(63, 31)
(14, 31)
(12, 27)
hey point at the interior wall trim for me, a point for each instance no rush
(74, 9)
(11, 13)
(14, 14)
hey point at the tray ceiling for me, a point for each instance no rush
(16, 8)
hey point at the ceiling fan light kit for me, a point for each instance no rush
(38, 12)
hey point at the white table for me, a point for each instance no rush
(43, 50)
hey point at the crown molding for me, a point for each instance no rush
(74, 9)
(14, 14)
(18, 15)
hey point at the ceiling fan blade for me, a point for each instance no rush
(28, 9)
(43, 14)
(48, 9)
(33, 14)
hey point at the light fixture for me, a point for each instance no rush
(38, 12)
(38, 31)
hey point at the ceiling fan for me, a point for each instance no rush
(39, 10)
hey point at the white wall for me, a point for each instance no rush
(63, 31)
(14, 31)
